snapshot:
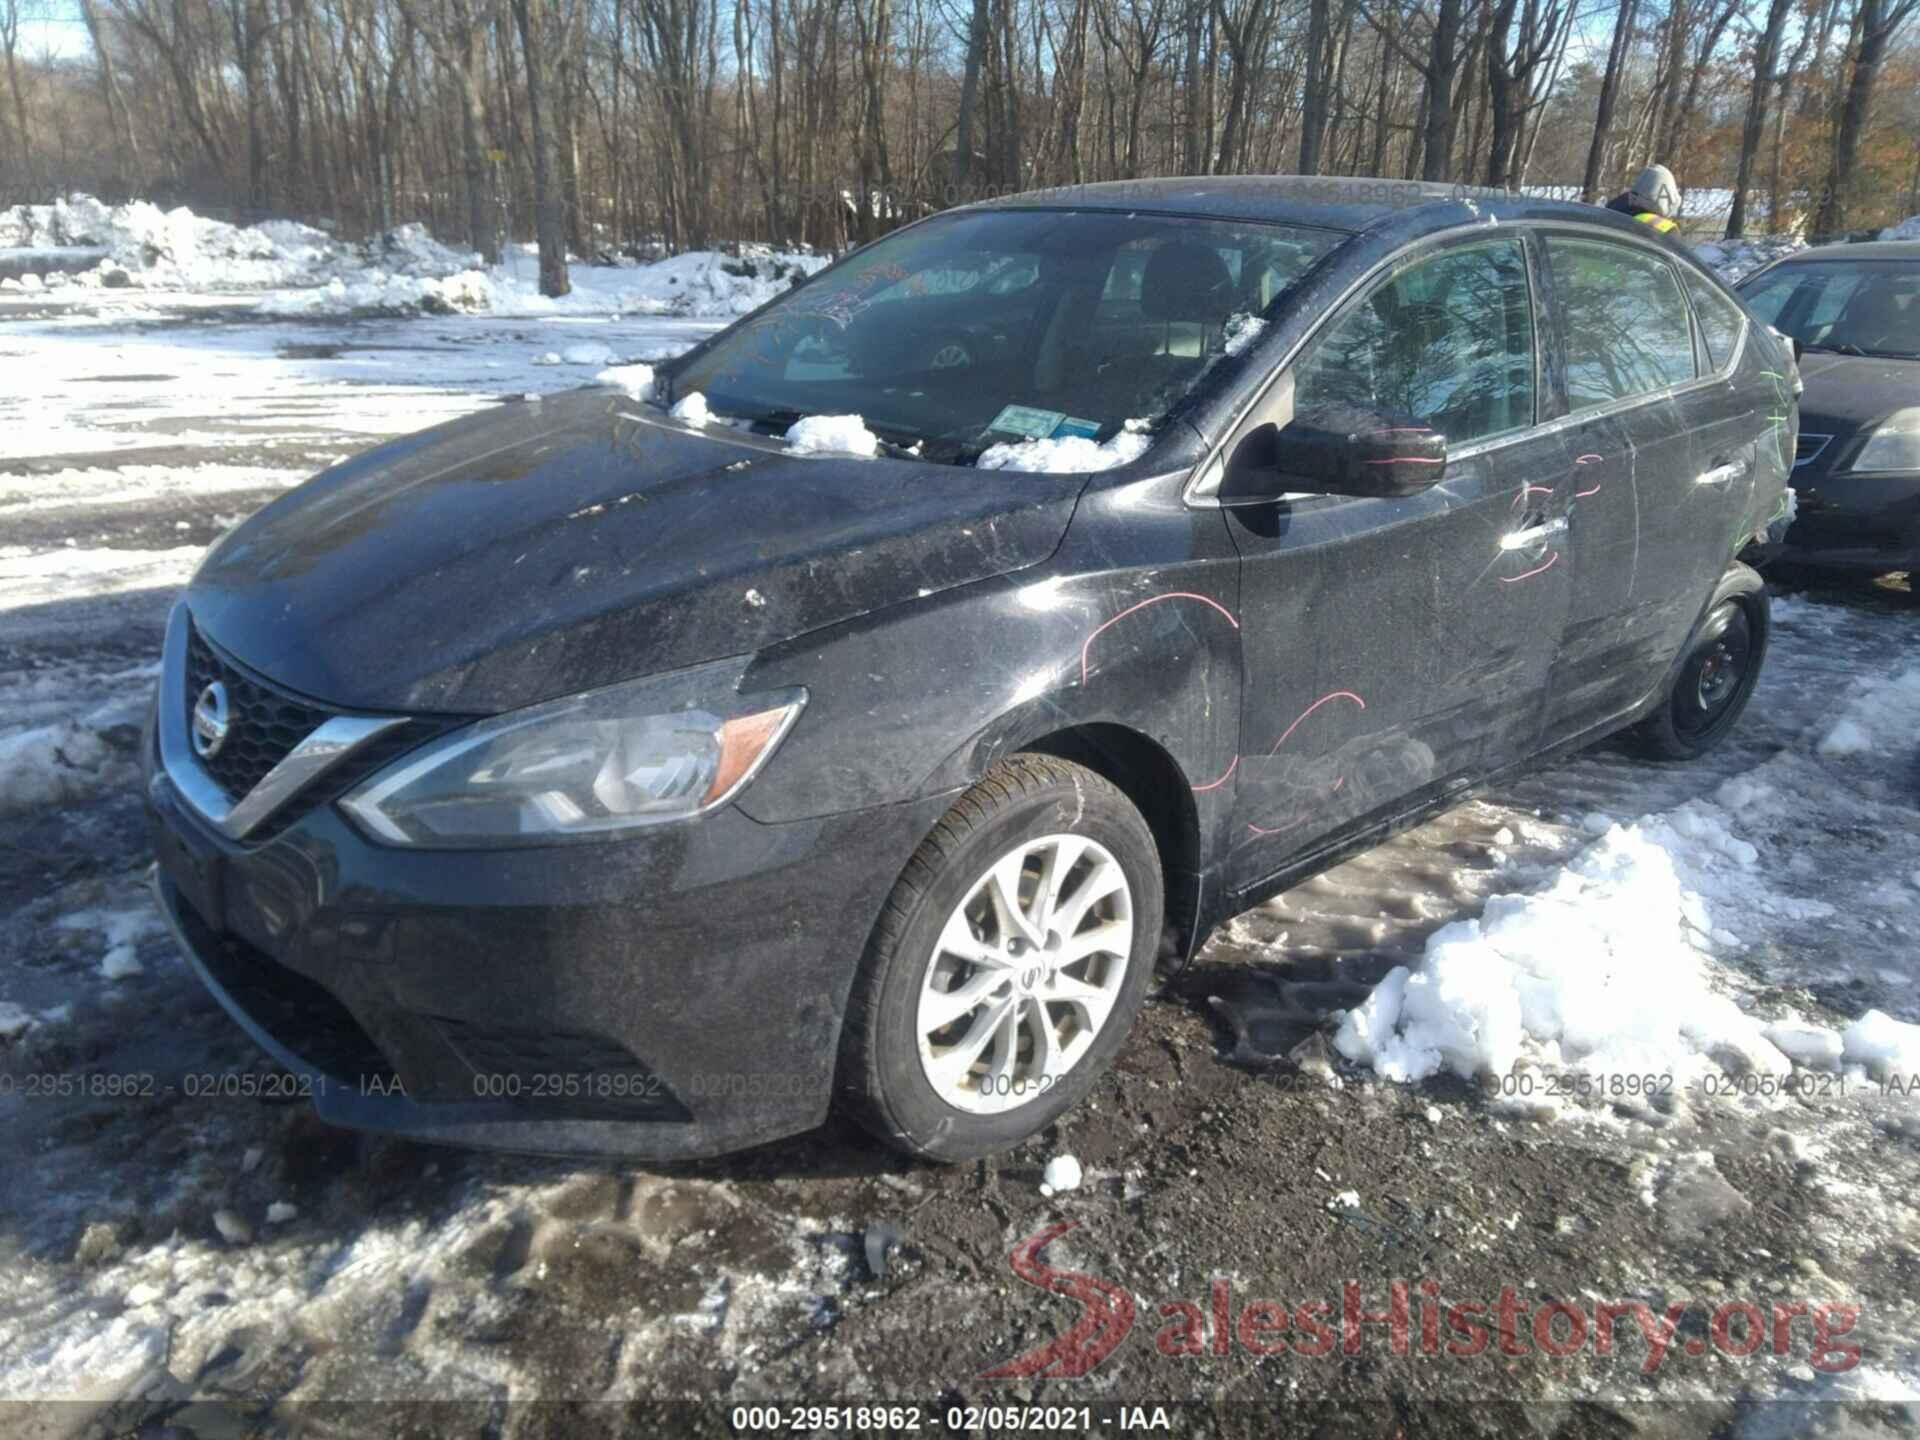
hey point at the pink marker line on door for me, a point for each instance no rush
(1333, 695)
(1552, 560)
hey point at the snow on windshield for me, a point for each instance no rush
(832, 435)
(1067, 455)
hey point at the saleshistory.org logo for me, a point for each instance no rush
(1414, 1316)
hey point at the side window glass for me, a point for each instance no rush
(1448, 341)
(1720, 319)
(1624, 319)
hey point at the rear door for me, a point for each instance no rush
(1398, 648)
(1638, 527)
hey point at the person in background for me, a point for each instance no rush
(1653, 199)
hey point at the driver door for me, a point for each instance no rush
(1397, 649)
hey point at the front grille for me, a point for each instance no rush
(302, 1016)
(569, 1070)
(1806, 447)
(265, 724)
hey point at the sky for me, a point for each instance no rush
(53, 27)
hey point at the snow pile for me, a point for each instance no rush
(831, 435)
(403, 272)
(379, 292)
(58, 764)
(1734, 260)
(691, 409)
(1564, 975)
(1885, 1046)
(120, 932)
(1880, 718)
(1062, 1174)
(1068, 455)
(152, 248)
(1907, 229)
(635, 380)
(711, 285)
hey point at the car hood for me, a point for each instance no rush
(550, 546)
(1845, 392)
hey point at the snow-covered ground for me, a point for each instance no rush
(1743, 927)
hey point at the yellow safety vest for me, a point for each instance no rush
(1657, 221)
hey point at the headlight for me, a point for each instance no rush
(1895, 445)
(664, 748)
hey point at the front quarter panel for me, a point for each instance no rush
(1133, 623)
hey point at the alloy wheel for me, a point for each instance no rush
(1025, 974)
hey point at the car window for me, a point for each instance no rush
(1447, 341)
(1624, 319)
(1720, 319)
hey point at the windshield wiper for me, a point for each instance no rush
(1836, 349)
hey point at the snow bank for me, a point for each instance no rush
(1563, 975)
(1734, 260)
(832, 435)
(1069, 455)
(307, 272)
(1907, 229)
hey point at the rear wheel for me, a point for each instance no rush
(1008, 965)
(1716, 676)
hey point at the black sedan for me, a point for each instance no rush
(642, 776)
(1854, 313)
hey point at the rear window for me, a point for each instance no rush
(1624, 318)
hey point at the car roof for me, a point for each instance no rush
(1863, 250)
(1328, 202)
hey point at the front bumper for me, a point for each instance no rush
(666, 997)
(1863, 522)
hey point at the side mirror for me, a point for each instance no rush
(1339, 450)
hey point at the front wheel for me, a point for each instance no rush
(1008, 965)
(1716, 676)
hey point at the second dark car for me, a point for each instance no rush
(1854, 313)
(580, 778)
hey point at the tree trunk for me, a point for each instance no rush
(1609, 97)
(1875, 23)
(1764, 61)
(549, 222)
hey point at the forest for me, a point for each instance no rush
(652, 126)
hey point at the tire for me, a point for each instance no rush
(942, 919)
(1714, 677)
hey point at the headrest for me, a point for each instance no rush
(1185, 281)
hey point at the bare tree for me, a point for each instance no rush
(1875, 24)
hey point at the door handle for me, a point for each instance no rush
(1535, 529)
(1721, 474)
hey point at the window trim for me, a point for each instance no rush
(1201, 491)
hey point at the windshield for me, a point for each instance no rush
(1856, 307)
(982, 329)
